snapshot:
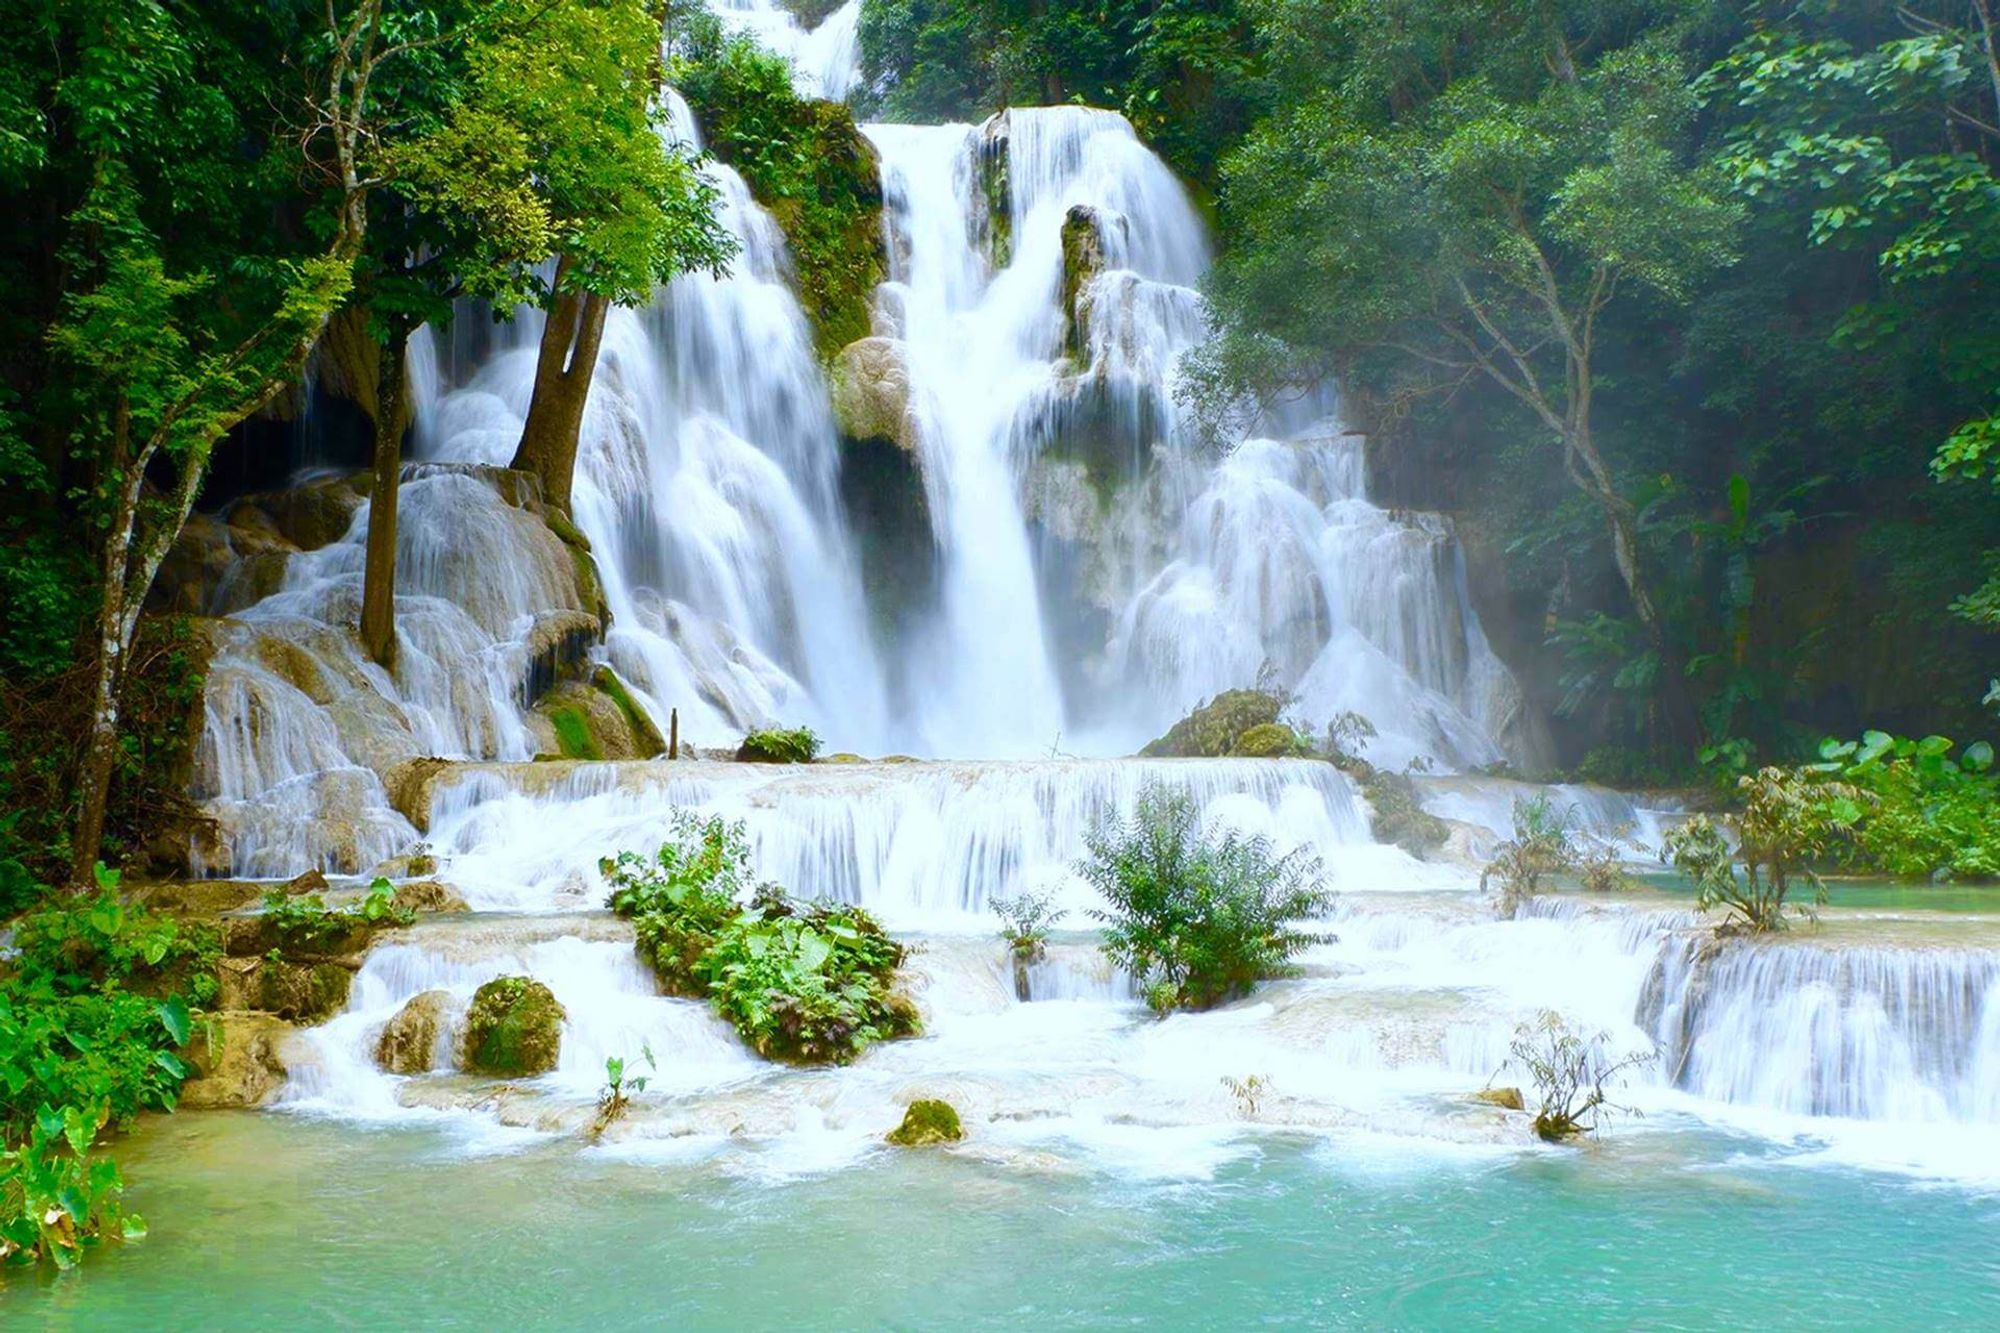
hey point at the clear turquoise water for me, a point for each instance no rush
(1873, 894)
(269, 1221)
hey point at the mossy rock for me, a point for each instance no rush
(597, 719)
(1271, 740)
(1395, 817)
(778, 745)
(408, 1043)
(304, 992)
(1213, 730)
(1507, 1099)
(236, 1061)
(646, 738)
(514, 1029)
(428, 895)
(926, 1122)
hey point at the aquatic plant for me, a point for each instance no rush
(1248, 1092)
(615, 1097)
(1540, 847)
(1570, 1073)
(682, 900)
(1026, 920)
(1198, 917)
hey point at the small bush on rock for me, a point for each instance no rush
(1570, 1072)
(778, 745)
(1198, 918)
(1790, 819)
(1540, 848)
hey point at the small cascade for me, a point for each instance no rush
(1868, 1032)
(923, 845)
(826, 60)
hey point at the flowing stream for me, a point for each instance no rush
(1096, 570)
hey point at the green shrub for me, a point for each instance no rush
(682, 900)
(1790, 821)
(93, 1014)
(779, 745)
(803, 983)
(1569, 1071)
(1026, 921)
(1198, 918)
(1932, 816)
(1540, 847)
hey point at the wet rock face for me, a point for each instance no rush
(514, 1029)
(409, 1041)
(238, 1062)
(870, 385)
(305, 992)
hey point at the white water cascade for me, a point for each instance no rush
(1098, 571)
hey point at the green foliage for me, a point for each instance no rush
(805, 983)
(779, 745)
(1188, 74)
(1789, 821)
(809, 165)
(57, 1200)
(1929, 816)
(1541, 847)
(1219, 726)
(1570, 1071)
(685, 898)
(615, 1098)
(1026, 921)
(304, 922)
(1198, 918)
(94, 1010)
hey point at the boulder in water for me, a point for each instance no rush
(1084, 252)
(514, 1029)
(1271, 740)
(428, 895)
(408, 1044)
(1507, 1099)
(581, 720)
(926, 1122)
(870, 385)
(1213, 730)
(238, 1062)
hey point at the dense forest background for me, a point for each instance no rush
(1685, 310)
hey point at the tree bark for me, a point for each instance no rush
(378, 583)
(563, 370)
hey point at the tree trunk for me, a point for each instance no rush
(563, 369)
(392, 418)
(101, 746)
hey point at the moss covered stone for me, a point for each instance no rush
(1271, 740)
(927, 1121)
(1214, 730)
(514, 1029)
(778, 745)
(408, 1043)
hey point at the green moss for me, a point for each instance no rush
(811, 167)
(927, 1121)
(646, 738)
(1396, 816)
(573, 736)
(777, 745)
(1213, 730)
(1271, 740)
(514, 1028)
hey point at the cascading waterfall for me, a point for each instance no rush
(1099, 570)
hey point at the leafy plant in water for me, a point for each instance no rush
(1026, 921)
(615, 1097)
(1603, 872)
(684, 897)
(57, 1199)
(1540, 847)
(1248, 1092)
(1790, 820)
(1570, 1072)
(1198, 918)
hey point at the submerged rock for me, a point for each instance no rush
(409, 1041)
(514, 1029)
(927, 1121)
(238, 1061)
